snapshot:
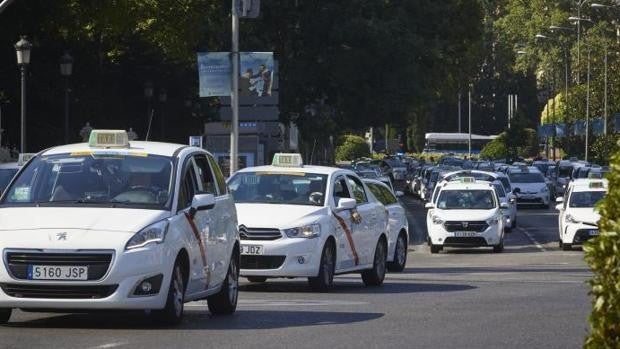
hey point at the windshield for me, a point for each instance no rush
(500, 190)
(586, 198)
(107, 179)
(466, 200)
(6, 174)
(542, 167)
(565, 171)
(526, 178)
(278, 188)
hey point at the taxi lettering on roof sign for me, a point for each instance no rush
(108, 139)
(287, 160)
(597, 185)
(24, 157)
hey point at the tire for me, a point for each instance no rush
(400, 255)
(435, 249)
(172, 314)
(499, 247)
(324, 281)
(560, 243)
(567, 247)
(256, 279)
(225, 301)
(5, 315)
(375, 276)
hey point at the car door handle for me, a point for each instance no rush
(221, 239)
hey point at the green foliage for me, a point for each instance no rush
(352, 147)
(495, 149)
(604, 147)
(603, 256)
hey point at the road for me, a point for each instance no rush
(533, 295)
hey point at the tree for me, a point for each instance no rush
(352, 147)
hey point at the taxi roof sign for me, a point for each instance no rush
(24, 158)
(287, 160)
(596, 184)
(108, 139)
(467, 180)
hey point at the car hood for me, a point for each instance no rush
(585, 215)
(529, 187)
(276, 216)
(468, 215)
(79, 218)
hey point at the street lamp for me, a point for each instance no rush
(163, 97)
(66, 69)
(604, 7)
(148, 94)
(22, 48)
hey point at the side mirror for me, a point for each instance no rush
(429, 205)
(516, 191)
(399, 193)
(346, 204)
(559, 207)
(503, 205)
(559, 199)
(201, 202)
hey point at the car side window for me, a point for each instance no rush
(188, 187)
(340, 189)
(205, 175)
(219, 176)
(390, 198)
(377, 192)
(358, 190)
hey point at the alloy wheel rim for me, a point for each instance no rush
(233, 282)
(328, 265)
(177, 292)
(380, 260)
(400, 251)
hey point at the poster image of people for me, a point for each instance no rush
(256, 73)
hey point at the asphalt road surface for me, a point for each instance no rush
(533, 295)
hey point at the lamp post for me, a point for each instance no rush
(578, 20)
(163, 97)
(22, 48)
(148, 94)
(545, 37)
(66, 69)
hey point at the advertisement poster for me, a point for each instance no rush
(560, 130)
(579, 127)
(256, 74)
(598, 126)
(214, 71)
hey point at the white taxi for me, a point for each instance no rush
(467, 213)
(578, 220)
(113, 224)
(308, 221)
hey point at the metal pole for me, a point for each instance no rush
(67, 110)
(234, 96)
(605, 97)
(469, 143)
(578, 38)
(372, 139)
(22, 146)
(565, 84)
(1, 130)
(553, 94)
(509, 109)
(387, 130)
(459, 112)
(588, 108)
(547, 108)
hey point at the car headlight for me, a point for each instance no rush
(308, 231)
(544, 189)
(436, 220)
(570, 219)
(492, 220)
(154, 233)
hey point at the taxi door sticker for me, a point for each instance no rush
(348, 234)
(203, 251)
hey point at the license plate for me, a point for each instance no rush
(593, 232)
(252, 249)
(465, 234)
(57, 272)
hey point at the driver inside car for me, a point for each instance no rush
(138, 189)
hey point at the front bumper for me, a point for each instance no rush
(113, 291)
(285, 257)
(578, 233)
(489, 237)
(533, 199)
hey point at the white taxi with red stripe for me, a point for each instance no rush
(113, 224)
(308, 221)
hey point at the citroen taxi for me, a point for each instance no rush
(113, 224)
(467, 213)
(578, 220)
(308, 221)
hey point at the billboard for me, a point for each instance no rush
(256, 74)
(598, 126)
(560, 130)
(214, 71)
(579, 127)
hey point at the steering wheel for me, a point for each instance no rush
(315, 197)
(152, 190)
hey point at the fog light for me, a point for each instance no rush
(146, 287)
(149, 286)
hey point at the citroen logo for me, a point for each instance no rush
(61, 236)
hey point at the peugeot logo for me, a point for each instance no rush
(61, 236)
(465, 224)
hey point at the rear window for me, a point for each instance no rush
(526, 178)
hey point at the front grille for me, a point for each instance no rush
(97, 263)
(58, 292)
(530, 201)
(263, 234)
(465, 241)
(261, 262)
(477, 226)
(583, 235)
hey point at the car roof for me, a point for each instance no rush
(154, 148)
(583, 184)
(458, 185)
(298, 169)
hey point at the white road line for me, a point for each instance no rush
(287, 303)
(110, 345)
(532, 240)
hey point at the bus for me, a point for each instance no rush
(455, 142)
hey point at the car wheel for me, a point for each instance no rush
(5, 315)
(567, 247)
(257, 279)
(435, 249)
(375, 276)
(325, 279)
(225, 301)
(400, 255)
(172, 314)
(560, 243)
(499, 247)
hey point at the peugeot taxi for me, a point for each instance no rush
(308, 221)
(113, 224)
(467, 213)
(578, 219)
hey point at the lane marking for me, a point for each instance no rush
(110, 345)
(286, 303)
(532, 239)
